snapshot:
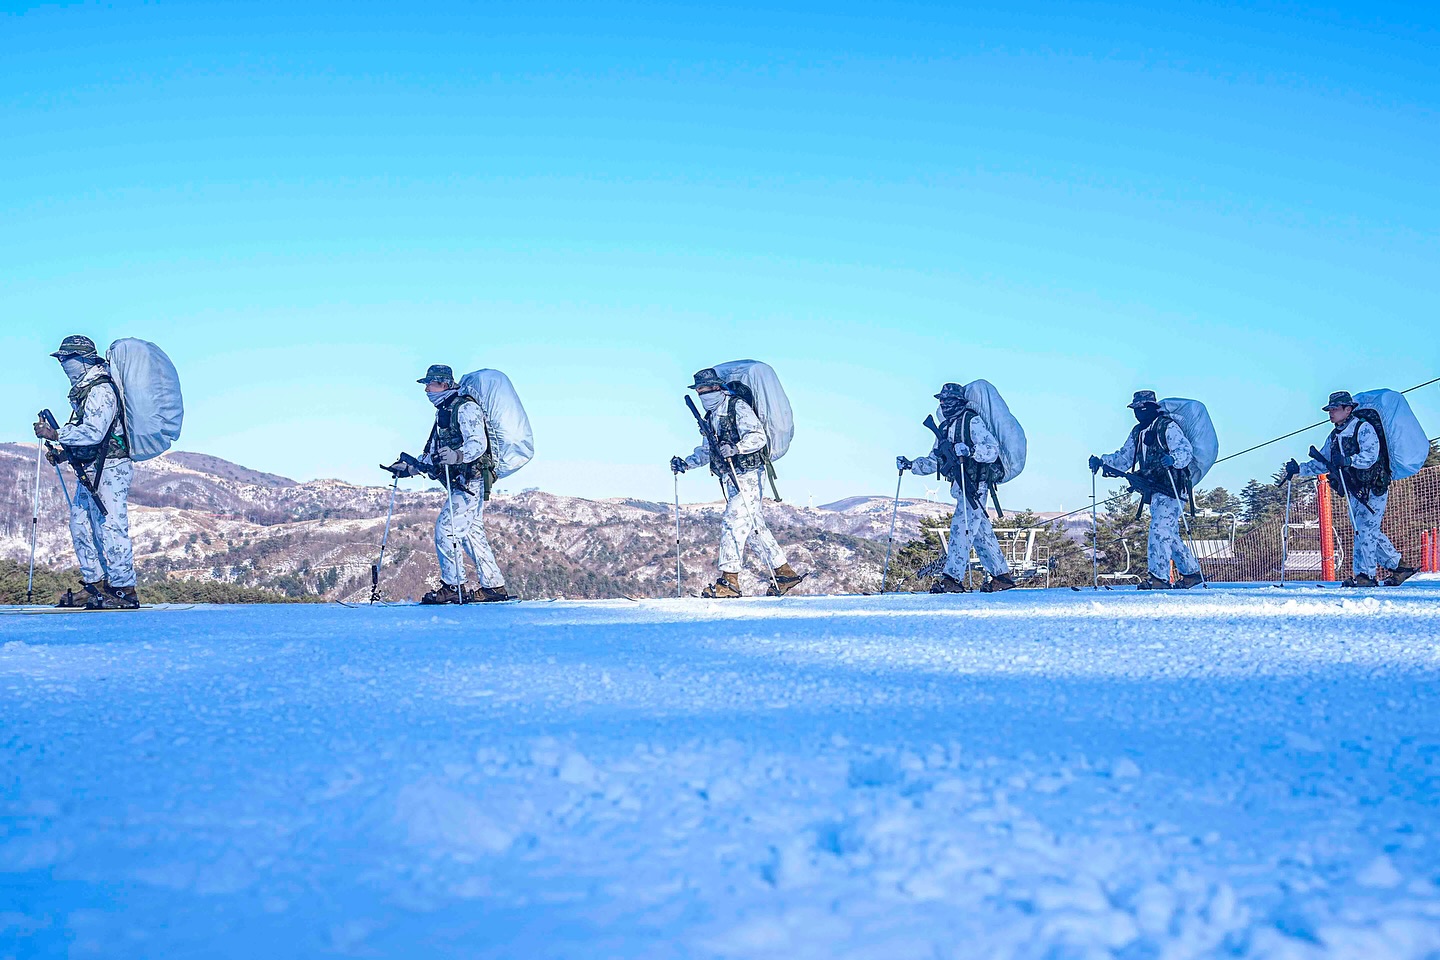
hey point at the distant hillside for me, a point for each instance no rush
(200, 517)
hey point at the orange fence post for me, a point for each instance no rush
(1327, 528)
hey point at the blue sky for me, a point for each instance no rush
(306, 207)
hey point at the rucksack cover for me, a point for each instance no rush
(769, 400)
(149, 394)
(1194, 421)
(512, 444)
(1409, 447)
(986, 400)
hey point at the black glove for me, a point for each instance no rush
(400, 468)
(1095, 464)
(1292, 470)
(903, 463)
(677, 465)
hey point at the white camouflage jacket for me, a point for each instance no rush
(1179, 447)
(747, 423)
(101, 406)
(472, 430)
(1363, 433)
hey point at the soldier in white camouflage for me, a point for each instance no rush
(457, 453)
(1357, 463)
(93, 441)
(1155, 460)
(739, 463)
(970, 466)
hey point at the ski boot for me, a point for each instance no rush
(115, 598)
(999, 583)
(725, 587)
(1153, 582)
(70, 598)
(1359, 580)
(489, 595)
(948, 584)
(786, 580)
(1399, 575)
(446, 594)
(1189, 580)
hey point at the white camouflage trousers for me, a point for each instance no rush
(1372, 548)
(971, 527)
(1166, 544)
(743, 519)
(462, 521)
(102, 541)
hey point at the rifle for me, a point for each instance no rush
(74, 462)
(954, 465)
(950, 465)
(1334, 470)
(713, 441)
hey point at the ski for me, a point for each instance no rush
(154, 607)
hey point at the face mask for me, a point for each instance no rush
(74, 368)
(1146, 415)
(711, 401)
(439, 398)
(951, 408)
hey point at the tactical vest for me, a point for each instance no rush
(447, 435)
(115, 446)
(1374, 480)
(727, 430)
(1151, 448)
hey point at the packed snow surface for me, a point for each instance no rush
(1048, 774)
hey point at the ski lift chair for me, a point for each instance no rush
(1123, 576)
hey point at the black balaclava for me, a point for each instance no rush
(1146, 413)
(952, 407)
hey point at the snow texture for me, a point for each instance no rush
(1233, 772)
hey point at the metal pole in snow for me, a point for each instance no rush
(890, 543)
(34, 523)
(454, 544)
(1285, 534)
(1186, 520)
(1095, 532)
(678, 592)
(375, 570)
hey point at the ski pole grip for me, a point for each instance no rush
(49, 419)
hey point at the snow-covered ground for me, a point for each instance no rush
(1238, 771)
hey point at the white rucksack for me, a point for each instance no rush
(1194, 421)
(760, 388)
(987, 402)
(1404, 438)
(512, 444)
(149, 394)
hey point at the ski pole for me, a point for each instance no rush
(454, 543)
(1186, 520)
(64, 487)
(677, 535)
(34, 524)
(890, 543)
(1350, 509)
(965, 506)
(1285, 533)
(1094, 531)
(760, 515)
(375, 569)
